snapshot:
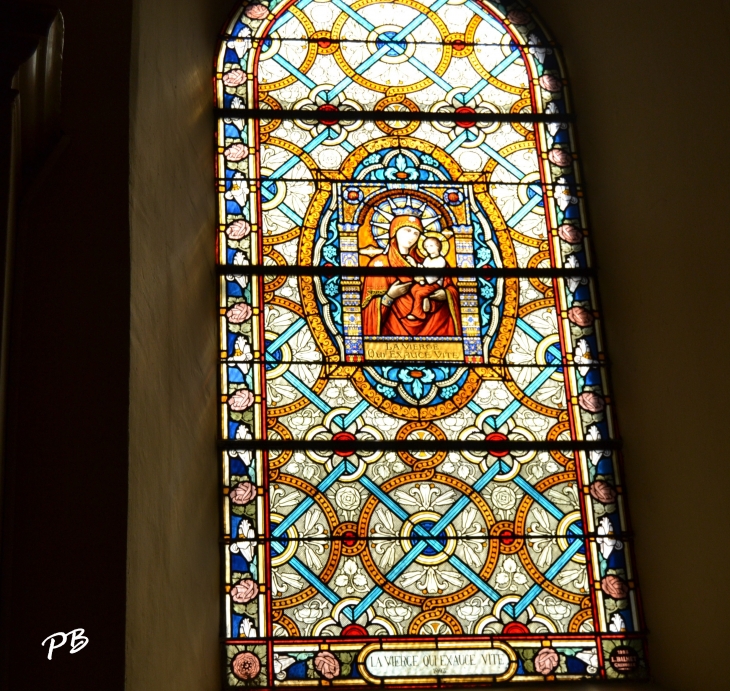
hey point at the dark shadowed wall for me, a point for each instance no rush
(66, 455)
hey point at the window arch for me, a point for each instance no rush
(420, 464)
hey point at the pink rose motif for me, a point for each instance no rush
(603, 492)
(240, 400)
(570, 234)
(518, 17)
(256, 11)
(546, 661)
(591, 402)
(235, 77)
(614, 587)
(580, 316)
(327, 664)
(236, 152)
(560, 158)
(240, 312)
(238, 229)
(244, 591)
(242, 493)
(550, 83)
(246, 666)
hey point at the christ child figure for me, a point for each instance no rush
(425, 286)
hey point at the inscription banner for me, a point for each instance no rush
(414, 350)
(457, 662)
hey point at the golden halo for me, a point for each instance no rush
(433, 234)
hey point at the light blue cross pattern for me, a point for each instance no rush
(395, 45)
(344, 421)
(495, 422)
(268, 183)
(428, 538)
(288, 375)
(392, 45)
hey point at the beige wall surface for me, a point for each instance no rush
(173, 599)
(649, 88)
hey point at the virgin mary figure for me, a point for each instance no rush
(387, 302)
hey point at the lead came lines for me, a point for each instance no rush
(376, 492)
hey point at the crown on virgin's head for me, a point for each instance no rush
(412, 208)
(408, 211)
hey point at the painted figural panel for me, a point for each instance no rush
(421, 475)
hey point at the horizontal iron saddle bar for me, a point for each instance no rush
(388, 116)
(417, 445)
(410, 271)
(509, 538)
(381, 40)
(496, 367)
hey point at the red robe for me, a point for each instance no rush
(377, 320)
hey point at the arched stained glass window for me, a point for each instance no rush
(420, 463)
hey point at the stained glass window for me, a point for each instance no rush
(420, 463)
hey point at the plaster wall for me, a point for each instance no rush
(173, 567)
(648, 85)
